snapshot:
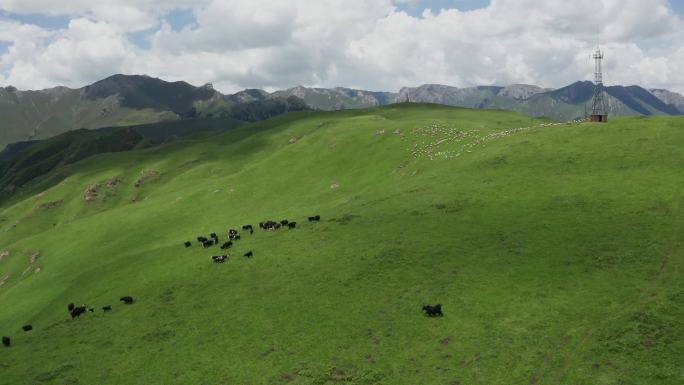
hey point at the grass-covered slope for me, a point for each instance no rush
(24, 162)
(555, 251)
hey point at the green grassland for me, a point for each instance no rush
(555, 250)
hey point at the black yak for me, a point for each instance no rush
(6, 341)
(128, 300)
(249, 254)
(107, 308)
(292, 225)
(77, 311)
(270, 225)
(27, 328)
(227, 245)
(433, 311)
(188, 244)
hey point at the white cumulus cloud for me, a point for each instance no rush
(368, 44)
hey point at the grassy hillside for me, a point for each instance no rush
(23, 162)
(555, 250)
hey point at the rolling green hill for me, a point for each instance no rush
(555, 249)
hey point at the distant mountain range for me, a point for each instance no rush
(125, 100)
(561, 104)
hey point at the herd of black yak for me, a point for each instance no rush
(206, 242)
(234, 235)
(74, 312)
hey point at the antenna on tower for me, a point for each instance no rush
(599, 107)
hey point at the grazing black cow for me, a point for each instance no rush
(70, 307)
(270, 225)
(208, 243)
(249, 254)
(219, 258)
(128, 300)
(433, 311)
(247, 227)
(92, 310)
(78, 310)
(201, 239)
(27, 328)
(284, 222)
(107, 308)
(315, 218)
(227, 245)
(292, 225)
(188, 244)
(6, 341)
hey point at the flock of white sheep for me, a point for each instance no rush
(437, 135)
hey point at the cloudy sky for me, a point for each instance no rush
(369, 44)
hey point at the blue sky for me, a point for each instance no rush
(356, 43)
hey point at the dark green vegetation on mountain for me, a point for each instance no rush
(123, 100)
(556, 252)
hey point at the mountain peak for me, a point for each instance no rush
(145, 92)
(119, 84)
(669, 97)
(521, 91)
